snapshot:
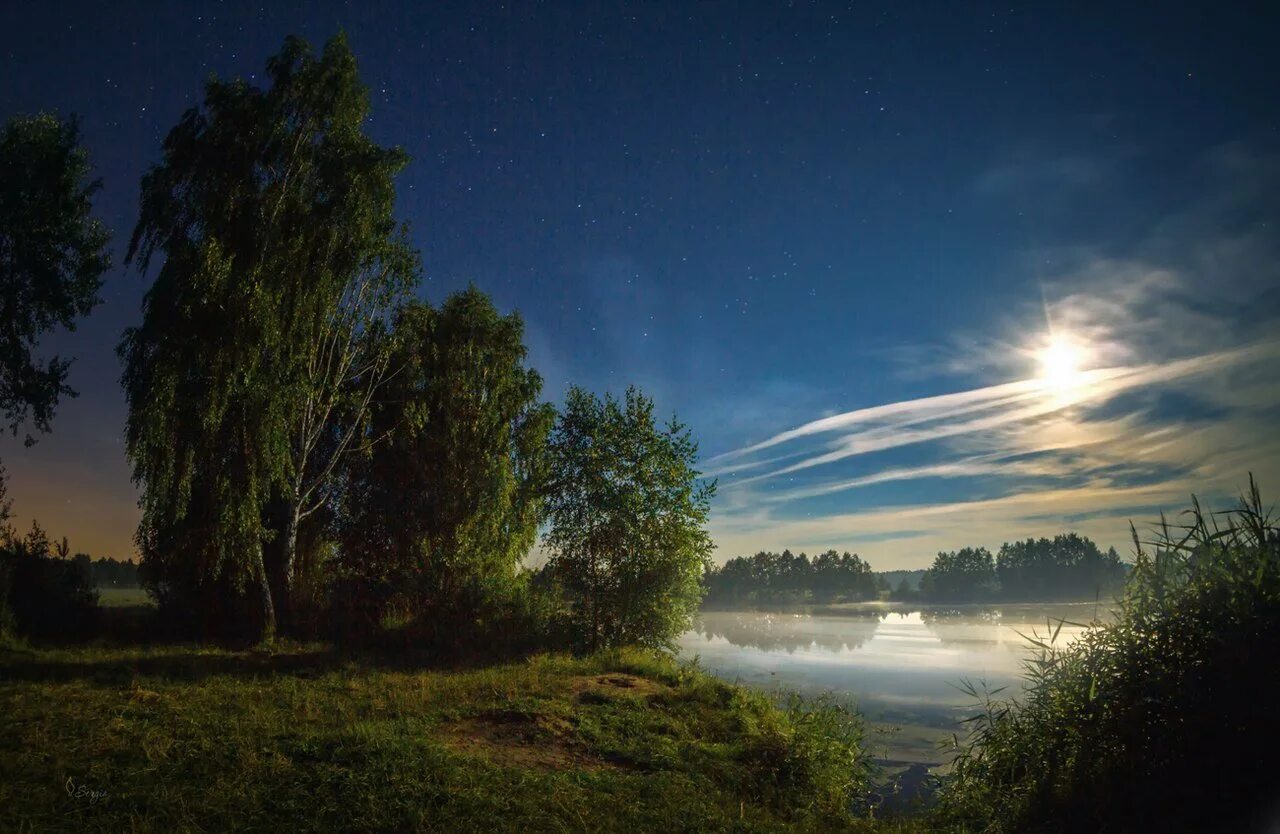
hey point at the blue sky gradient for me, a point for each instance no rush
(768, 215)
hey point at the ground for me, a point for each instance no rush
(173, 738)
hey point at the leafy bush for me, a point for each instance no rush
(809, 755)
(1159, 721)
(43, 595)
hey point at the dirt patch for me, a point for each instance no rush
(597, 688)
(522, 740)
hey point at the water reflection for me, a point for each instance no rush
(789, 632)
(898, 665)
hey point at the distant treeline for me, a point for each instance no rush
(105, 572)
(1068, 566)
(778, 578)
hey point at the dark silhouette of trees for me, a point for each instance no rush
(43, 594)
(441, 511)
(627, 520)
(105, 572)
(965, 574)
(273, 211)
(784, 578)
(52, 257)
(1068, 566)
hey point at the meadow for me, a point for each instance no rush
(193, 738)
(122, 597)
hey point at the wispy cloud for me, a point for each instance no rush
(894, 422)
(1183, 395)
(905, 413)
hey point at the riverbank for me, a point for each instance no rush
(174, 738)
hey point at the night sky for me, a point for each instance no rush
(917, 275)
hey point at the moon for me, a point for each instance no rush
(1061, 364)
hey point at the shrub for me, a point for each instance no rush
(1158, 721)
(43, 596)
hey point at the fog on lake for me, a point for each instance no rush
(899, 665)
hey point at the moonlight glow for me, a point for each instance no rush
(1061, 365)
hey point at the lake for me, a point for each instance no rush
(900, 665)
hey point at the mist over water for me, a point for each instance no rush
(900, 666)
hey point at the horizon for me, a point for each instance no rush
(905, 306)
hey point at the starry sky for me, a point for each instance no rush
(837, 239)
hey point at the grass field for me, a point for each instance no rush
(184, 738)
(122, 597)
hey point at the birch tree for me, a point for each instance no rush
(272, 210)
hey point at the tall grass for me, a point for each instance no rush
(1162, 720)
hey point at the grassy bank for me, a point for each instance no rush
(189, 738)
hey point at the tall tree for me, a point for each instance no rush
(273, 211)
(52, 257)
(448, 501)
(628, 515)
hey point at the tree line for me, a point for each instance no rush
(1068, 566)
(769, 578)
(320, 451)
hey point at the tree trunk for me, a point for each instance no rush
(595, 605)
(288, 561)
(268, 633)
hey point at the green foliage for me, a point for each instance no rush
(779, 578)
(628, 515)
(810, 753)
(273, 211)
(1157, 721)
(52, 257)
(965, 574)
(440, 513)
(1068, 566)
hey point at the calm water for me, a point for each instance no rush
(900, 666)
